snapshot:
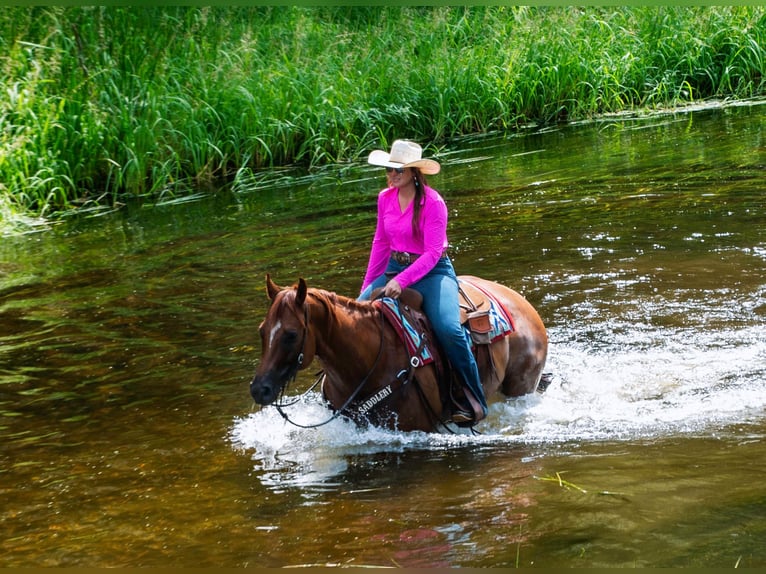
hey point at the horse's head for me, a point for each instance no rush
(286, 343)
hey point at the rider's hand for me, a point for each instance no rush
(393, 289)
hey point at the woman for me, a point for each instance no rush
(410, 241)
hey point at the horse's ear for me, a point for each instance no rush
(300, 297)
(271, 288)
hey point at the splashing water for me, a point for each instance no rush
(625, 393)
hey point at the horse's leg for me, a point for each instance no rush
(520, 357)
(527, 351)
(523, 369)
(492, 361)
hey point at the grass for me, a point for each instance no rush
(107, 104)
(561, 482)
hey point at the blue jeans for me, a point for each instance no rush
(442, 307)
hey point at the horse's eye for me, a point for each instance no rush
(289, 338)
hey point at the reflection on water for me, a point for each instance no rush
(127, 343)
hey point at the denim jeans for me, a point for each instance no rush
(442, 307)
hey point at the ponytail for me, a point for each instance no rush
(420, 192)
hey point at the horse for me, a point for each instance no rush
(369, 374)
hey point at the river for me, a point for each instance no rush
(128, 340)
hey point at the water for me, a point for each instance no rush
(127, 342)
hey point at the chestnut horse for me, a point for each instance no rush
(367, 370)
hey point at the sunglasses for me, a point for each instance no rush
(399, 170)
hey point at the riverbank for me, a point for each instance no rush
(104, 105)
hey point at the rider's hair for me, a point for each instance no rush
(420, 184)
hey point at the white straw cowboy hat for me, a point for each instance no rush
(404, 154)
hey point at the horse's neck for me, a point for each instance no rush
(348, 336)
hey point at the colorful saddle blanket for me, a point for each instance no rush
(409, 333)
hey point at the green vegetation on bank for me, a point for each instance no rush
(104, 104)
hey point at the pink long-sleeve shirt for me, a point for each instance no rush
(393, 232)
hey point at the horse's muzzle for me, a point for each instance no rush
(263, 390)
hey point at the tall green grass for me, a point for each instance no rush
(105, 104)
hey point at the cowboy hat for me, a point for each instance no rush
(404, 154)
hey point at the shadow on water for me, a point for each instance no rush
(127, 342)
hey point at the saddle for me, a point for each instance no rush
(483, 317)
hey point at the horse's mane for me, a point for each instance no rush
(332, 299)
(333, 302)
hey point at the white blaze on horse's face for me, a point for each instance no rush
(274, 330)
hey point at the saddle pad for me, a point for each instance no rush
(406, 331)
(501, 323)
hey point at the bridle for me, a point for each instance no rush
(349, 400)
